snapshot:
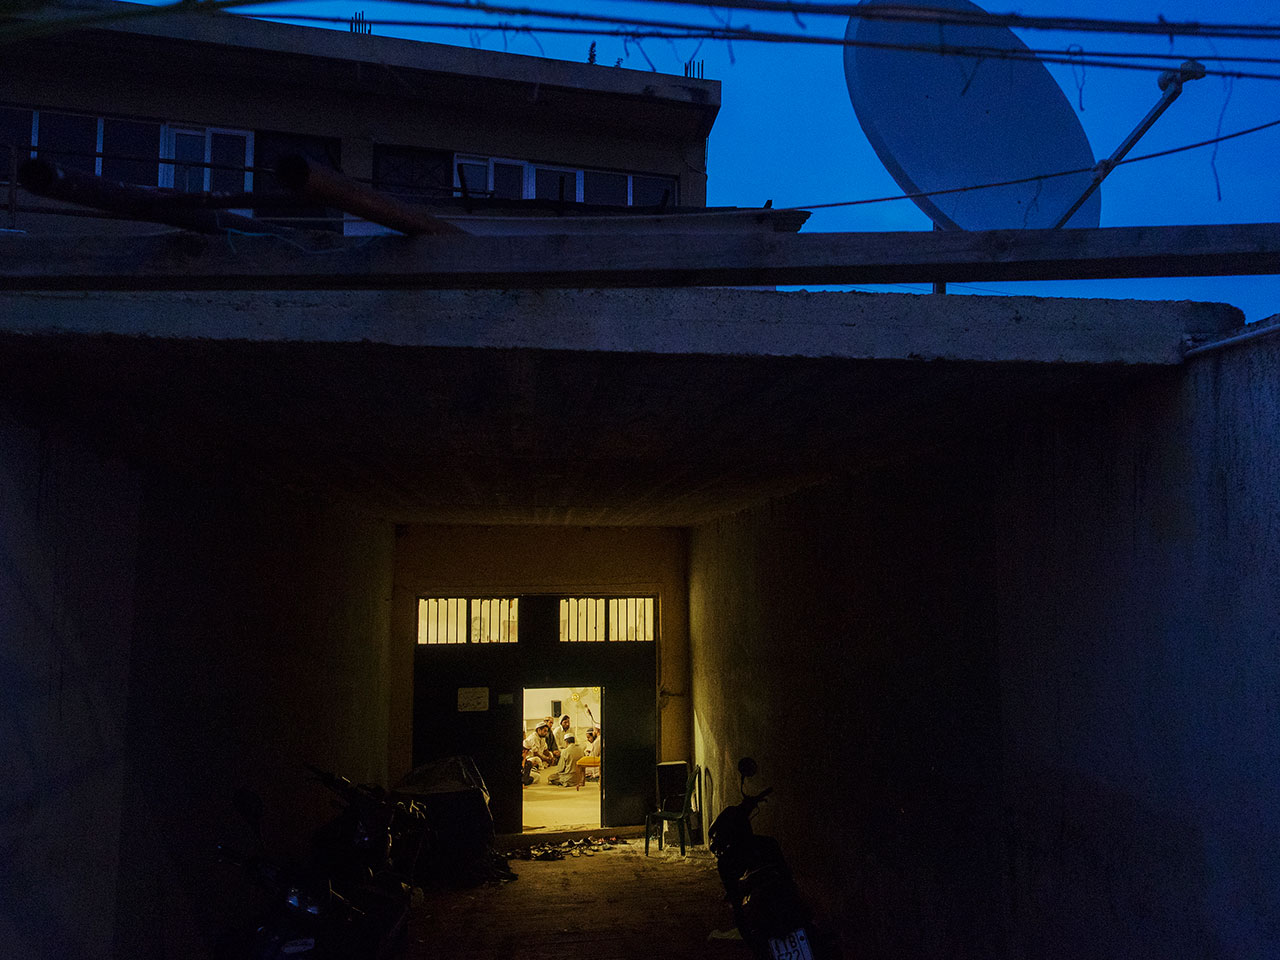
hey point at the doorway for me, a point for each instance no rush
(557, 796)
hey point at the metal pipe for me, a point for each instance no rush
(1257, 333)
(332, 189)
(47, 179)
(1171, 87)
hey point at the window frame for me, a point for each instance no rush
(530, 170)
(169, 133)
(510, 605)
(607, 626)
(165, 158)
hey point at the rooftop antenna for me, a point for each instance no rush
(984, 111)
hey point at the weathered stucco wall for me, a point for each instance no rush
(515, 560)
(1139, 583)
(1022, 703)
(67, 543)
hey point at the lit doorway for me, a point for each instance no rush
(559, 796)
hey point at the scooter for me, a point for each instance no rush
(767, 907)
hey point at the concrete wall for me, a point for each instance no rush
(260, 644)
(1140, 679)
(67, 545)
(844, 637)
(1043, 679)
(165, 643)
(513, 560)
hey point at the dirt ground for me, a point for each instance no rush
(613, 904)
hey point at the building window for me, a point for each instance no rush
(631, 619)
(610, 189)
(653, 191)
(131, 151)
(269, 147)
(486, 176)
(557, 183)
(597, 619)
(516, 179)
(454, 620)
(412, 173)
(68, 139)
(212, 159)
(127, 151)
(582, 620)
(15, 139)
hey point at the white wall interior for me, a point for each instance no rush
(580, 703)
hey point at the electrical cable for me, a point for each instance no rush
(655, 29)
(1032, 179)
(925, 14)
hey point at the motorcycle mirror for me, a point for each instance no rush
(747, 767)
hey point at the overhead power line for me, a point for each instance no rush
(1034, 177)
(907, 13)
(662, 29)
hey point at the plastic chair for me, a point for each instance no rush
(674, 808)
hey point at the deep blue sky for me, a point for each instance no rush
(787, 131)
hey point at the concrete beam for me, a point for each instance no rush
(183, 261)
(264, 37)
(714, 322)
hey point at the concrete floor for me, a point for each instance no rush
(614, 905)
(549, 807)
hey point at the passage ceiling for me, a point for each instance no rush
(411, 424)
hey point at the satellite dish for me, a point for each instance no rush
(939, 121)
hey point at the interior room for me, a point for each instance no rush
(559, 799)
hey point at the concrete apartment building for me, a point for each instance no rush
(986, 585)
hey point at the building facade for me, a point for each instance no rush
(211, 103)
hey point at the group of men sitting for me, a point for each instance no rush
(554, 746)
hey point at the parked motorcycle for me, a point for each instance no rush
(303, 916)
(350, 897)
(768, 909)
(373, 833)
(369, 850)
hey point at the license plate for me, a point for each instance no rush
(794, 946)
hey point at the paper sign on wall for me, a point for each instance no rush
(473, 699)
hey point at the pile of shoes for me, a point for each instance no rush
(584, 846)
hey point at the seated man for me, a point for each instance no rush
(536, 744)
(548, 732)
(564, 729)
(528, 767)
(566, 774)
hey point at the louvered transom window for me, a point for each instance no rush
(596, 619)
(631, 618)
(582, 620)
(452, 620)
